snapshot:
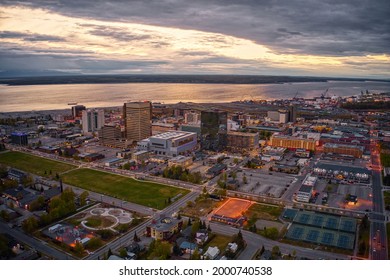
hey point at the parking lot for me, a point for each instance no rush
(262, 183)
(336, 194)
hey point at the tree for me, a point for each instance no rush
(195, 227)
(28, 180)
(262, 250)
(109, 253)
(244, 179)
(176, 250)
(160, 250)
(365, 222)
(3, 171)
(195, 255)
(136, 238)
(79, 248)
(272, 233)
(275, 251)
(234, 175)
(235, 160)
(30, 224)
(239, 239)
(83, 198)
(37, 204)
(4, 215)
(123, 253)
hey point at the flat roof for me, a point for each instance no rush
(170, 135)
(335, 145)
(310, 181)
(306, 189)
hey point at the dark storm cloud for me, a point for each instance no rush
(326, 27)
(30, 37)
(12, 60)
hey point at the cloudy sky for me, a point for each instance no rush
(265, 37)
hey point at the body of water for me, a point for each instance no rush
(50, 97)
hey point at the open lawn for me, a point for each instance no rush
(202, 207)
(141, 192)
(34, 164)
(221, 241)
(264, 212)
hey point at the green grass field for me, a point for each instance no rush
(265, 212)
(34, 164)
(141, 192)
(221, 241)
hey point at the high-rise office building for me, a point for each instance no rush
(92, 120)
(137, 116)
(293, 113)
(213, 130)
(77, 111)
(19, 138)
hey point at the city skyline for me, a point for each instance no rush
(330, 38)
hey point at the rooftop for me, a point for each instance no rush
(171, 135)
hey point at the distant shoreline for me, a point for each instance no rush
(174, 79)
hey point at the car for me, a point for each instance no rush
(373, 250)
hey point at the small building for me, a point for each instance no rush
(49, 149)
(201, 236)
(140, 156)
(115, 258)
(241, 141)
(112, 162)
(188, 247)
(216, 170)
(16, 175)
(182, 161)
(212, 253)
(232, 247)
(273, 153)
(164, 228)
(351, 150)
(91, 157)
(19, 138)
(306, 190)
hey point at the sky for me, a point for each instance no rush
(333, 38)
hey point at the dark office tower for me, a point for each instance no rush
(293, 113)
(77, 111)
(19, 138)
(213, 130)
(137, 116)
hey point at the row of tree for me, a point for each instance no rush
(177, 172)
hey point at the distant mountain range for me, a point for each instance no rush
(56, 77)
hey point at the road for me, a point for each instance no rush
(378, 247)
(128, 238)
(38, 245)
(255, 242)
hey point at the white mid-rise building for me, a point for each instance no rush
(172, 143)
(92, 120)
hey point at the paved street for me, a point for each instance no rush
(255, 242)
(127, 239)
